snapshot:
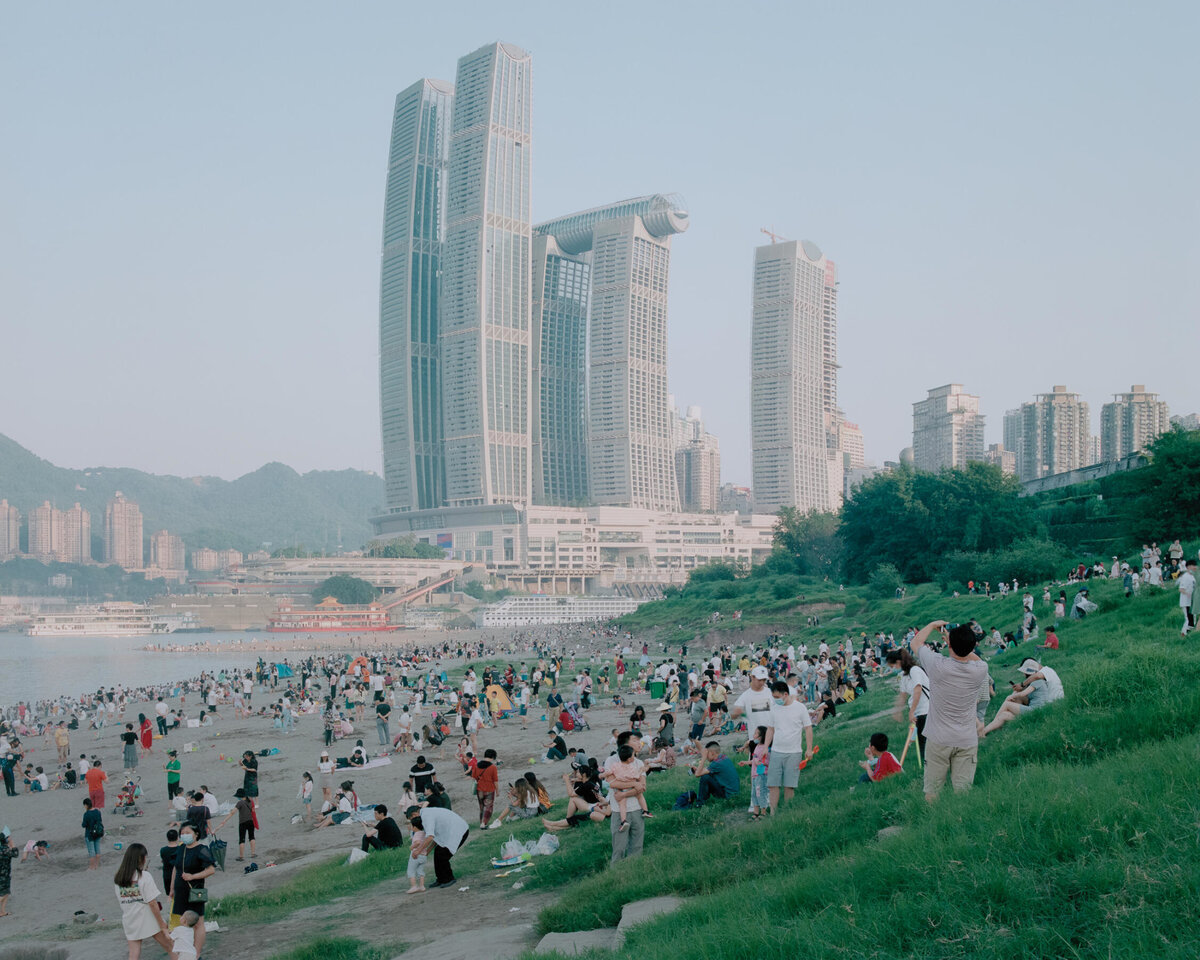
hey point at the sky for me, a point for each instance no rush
(191, 201)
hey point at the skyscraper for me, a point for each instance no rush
(561, 286)
(45, 532)
(793, 465)
(631, 455)
(10, 530)
(1131, 422)
(410, 276)
(947, 429)
(1055, 435)
(77, 535)
(486, 353)
(697, 463)
(123, 533)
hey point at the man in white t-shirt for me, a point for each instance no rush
(755, 701)
(788, 728)
(1187, 590)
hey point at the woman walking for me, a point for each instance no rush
(194, 866)
(249, 765)
(138, 894)
(146, 732)
(326, 767)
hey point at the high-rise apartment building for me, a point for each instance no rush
(1055, 434)
(1131, 422)
(561, 288)
(45, 532)
(10, 530)
(631, 455)
(486, 355)
(697, 463)
(228, 559)
(947, 429)
(732, 498)
(166, 551)
(123, 533)
(999, 456)
(414, 222)
(77, 535)
(205, 560)
(829, 331)
(850, 443)
(793, 462)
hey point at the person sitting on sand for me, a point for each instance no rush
(343, 810)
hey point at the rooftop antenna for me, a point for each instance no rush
(775, 237)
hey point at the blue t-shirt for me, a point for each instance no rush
(725, 773)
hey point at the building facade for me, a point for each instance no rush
(631, 455)
(561, 289)
(123, 533)
(793, 464)
(167, 552)
(697, 462)
(205, 560)
(1131, 422)
(485, 342)
(10, 530)
(1055, 435)
(45, 532)
(77, 535)
(732, 498)
(999, 456)
(947, 429)
(409, 284)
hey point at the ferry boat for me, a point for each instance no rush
(329, 616)
(115, 619)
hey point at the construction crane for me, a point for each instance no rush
(775, 237)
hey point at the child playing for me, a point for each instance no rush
(880, 762)
(627, 779)
(306, 794)
(462, 753)
(39, 849)
(760, 757)
(183, 937)
(416, 862)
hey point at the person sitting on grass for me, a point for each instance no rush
(584, 801)
(1040, 687)
(627, 780)
(663, 757)
(1051, 640)
(880, 761)
(717, 775)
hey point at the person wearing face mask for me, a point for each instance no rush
(194, 866)
(789, 727)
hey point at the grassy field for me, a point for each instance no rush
(1080, 838)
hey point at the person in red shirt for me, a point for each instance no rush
(1051, 640)
(885, 764)
(487, 781)
(95, 778)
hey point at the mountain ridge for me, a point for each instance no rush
(273, 504)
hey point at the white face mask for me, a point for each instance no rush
(187, 838)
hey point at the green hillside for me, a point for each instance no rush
(273, 504)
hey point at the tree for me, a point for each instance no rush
(406, 548)
(345, 589)
(914, 520)
(1164, 497)
(812, 542)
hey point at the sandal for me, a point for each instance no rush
(647, 816)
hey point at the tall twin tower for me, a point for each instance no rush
(519, 363)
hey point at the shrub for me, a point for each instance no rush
(885, 580)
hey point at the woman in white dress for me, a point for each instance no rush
(138, 895)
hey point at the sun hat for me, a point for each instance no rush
(1029, 666)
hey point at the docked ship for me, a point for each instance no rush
(330, 616)
(115, 619)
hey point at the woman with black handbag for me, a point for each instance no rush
(194, 866)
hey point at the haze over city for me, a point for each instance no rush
(189, 279)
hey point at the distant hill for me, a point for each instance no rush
(274, 504)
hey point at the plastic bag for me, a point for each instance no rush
(511, 848)
(356, 855)
(547, 844)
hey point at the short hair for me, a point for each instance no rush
(711, 744)
(962, 639)
(489, 754)
(879, 741)
(172, 835)
(624, 737)
(189, 918)
(87, 802)
(625, 753)
(381, 808)
(780, 686)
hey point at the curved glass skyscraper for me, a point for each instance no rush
(409, 289)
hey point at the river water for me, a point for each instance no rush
(33, 668)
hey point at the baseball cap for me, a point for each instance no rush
(759, 673)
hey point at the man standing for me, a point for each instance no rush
(790, 726)
(627, 842)
(755, 701)
(951, 732)
(382, 709)
(445, 833)
(173, 768)
(1187, 590)
(161, 709)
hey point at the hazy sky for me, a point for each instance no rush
(191, 199)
